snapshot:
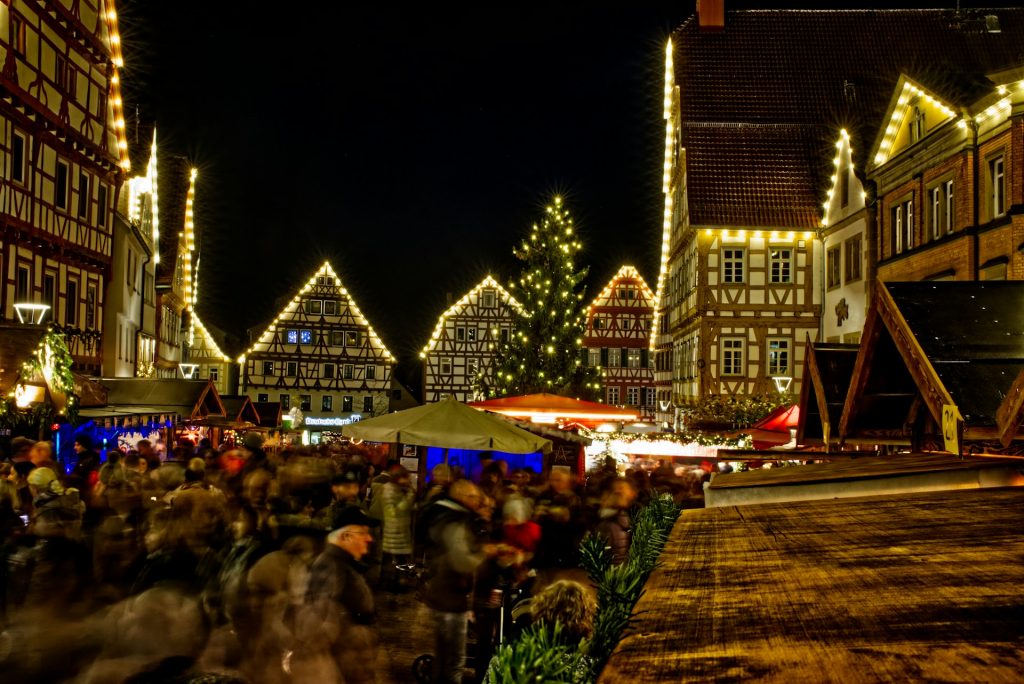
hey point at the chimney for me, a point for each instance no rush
(711, 15)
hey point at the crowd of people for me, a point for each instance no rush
(240, 564)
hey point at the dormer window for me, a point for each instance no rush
(917, 128)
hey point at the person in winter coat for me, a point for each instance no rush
(335, 638)
(614, 522)
(398, 498)
(455, 554)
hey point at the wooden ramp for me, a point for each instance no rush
(906, 588)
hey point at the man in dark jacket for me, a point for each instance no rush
(336, 641)
(455, 554)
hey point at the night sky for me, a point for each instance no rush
(412, 147)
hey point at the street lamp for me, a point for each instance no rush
(188, 370)
(782, 383)
(31, 313)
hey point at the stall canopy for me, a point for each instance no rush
(448, 424)
(931, 344)
(551, 408)
(126, 397)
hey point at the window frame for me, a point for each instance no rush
(18, 174)
(84, 194)
(488, 298)
(329, 371)
(443, 363)
(331, 304)
(771, 356)
(371, 372)
(285, 400)
(733, 356)
(346, 403)
(785, 266)
(291, 369)
(326, 403)
(612, 395)
(833, 267)
(91, 305)
(315, 307)
(268, 368)
(853, 246)
(348, 371)
(73, 287)
(305, 402)
(997, 185)
(60, 199)
(734, 265)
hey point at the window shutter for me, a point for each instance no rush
(644, 358)
(604, 357)
(624, 357)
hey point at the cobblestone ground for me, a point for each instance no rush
(404, 626)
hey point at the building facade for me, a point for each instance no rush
(174, 284)
(462, 348)
(64, 158)
(207, 359)
(776, 215)
(618, 340)
(321, 355)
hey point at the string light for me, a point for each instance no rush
(666, 231)
(899, 116)
(843, 150)
(138, 188)
(114, 37)
(501, 294)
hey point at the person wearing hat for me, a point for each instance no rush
(85, 474)
(335, 637)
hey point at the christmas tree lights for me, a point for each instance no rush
(544, 350)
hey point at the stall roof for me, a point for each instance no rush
(927, 344)
(829, 368)
(918, 587)
(146, 396)
(269, 413)
(239, 407)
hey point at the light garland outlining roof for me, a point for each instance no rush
(666, 233)
(625, 273)
(899, 114)
(486, 283)
(190, 241)
(782, 235)
(210, 342)
(141, 185)
(110, 17)
(842, 162)
(325, 271)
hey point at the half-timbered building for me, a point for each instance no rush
(207, 359)
(618, 339)
(64, 158)
(462, 348)
(769, 222)
(321, 355)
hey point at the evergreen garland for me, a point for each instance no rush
(51, 358)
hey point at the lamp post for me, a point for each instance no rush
(31, 312)
(782, 383)
(188, 370)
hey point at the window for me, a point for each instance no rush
(18, 35)
(50, 292)
(214, 373)
(917, 127)
(90, 307)
(262, 398)
(852, 258)
(632, 396)
(18, 158)
(348, 371)
(844, 188)
(268, 367)
(83, 195)
(323, 280)
(649, 396)
(368, 403)
(941, 207)
(371, 372)
(593, 357)
(446, 366)
(504, 335)
(936, 207)
(305, 337)
(305, 402)
(997, 184)
(60, 190)
(352, 338)
(22, 292)
(471, 369)
(994, 269)
(101, 104)
(315, 306)
(286, 401)
(599, 323)
(337, 338)
(778, 356)
(129, 268)
(614, 358)
(327, 403)
(732, 265)
(487, 299)
(902, 226)
(292, 336)
(633, 358)
(833, 267)
(613, 395)
(781, 265)
(346, 404)
(460, 334)
(291, 369)
(732, 356)
(329, 370)
(330, 307)
(64, 76)
(948, 185)
(471, 334)
(71, 304)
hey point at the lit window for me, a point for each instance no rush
(327, 403)
(732, 356)
(614, 357)
(306, 336)
(293, 336)
(352, 338)
(593, 357)
(471, 334)
(633, 358)
(613, 395)
(781, 265)
(778, 356)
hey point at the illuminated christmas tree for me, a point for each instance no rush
(544, 352)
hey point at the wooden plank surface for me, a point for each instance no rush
(908, 588)
(844, 468)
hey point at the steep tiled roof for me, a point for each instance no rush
(802, 75)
